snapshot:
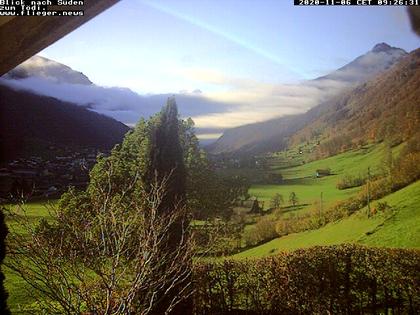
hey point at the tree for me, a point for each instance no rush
(277, 201)
(103, 258)
(209, 194)
(166, 156)
(3, 294)
(256, 209)
(124, 243)
(387, 163)
(167, 164)
(293, 199)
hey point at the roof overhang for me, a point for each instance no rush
(24, 36)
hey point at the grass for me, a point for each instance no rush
(301, 179)
(401, 229)
(18, 300)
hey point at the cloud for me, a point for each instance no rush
(236, 102)
(208, 136)
(228, 102)
(119, 103)
(257, 101)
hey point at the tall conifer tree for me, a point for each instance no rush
(166, 156)
(166, 163)
(153, 150)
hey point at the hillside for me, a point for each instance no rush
(400, 229)
(385, 108)
(301, 179)
(31, 123)
(274, 135)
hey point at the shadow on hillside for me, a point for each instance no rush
(299, 181)
(288, 208)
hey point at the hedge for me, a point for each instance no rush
(345, 279)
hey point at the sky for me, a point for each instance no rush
(229, 52)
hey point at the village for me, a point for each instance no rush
(35, 177)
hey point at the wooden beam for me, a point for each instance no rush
(414, 14)
(24, 36)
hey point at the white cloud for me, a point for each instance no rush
(245, 101)
(258, 101)
(119, 103)
(235, 101)
(208, 136)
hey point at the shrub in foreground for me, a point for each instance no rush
(346, 279)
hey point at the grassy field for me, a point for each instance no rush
(301, 179)
(400, 229)
(18, 299)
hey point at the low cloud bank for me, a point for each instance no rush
(119, 103)
(235, 101)
(242, 101)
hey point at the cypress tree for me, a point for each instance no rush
(153, 150)
(166, 157)
(166, 162)
(3, 294)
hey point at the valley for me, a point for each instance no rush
(341, 177)
(397, 229)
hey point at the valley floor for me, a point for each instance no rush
(398, 227)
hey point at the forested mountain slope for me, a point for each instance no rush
(386, 108)
(381, 65)
(31, 122)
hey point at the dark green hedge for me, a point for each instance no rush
(345, 279)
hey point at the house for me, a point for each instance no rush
(322, 172)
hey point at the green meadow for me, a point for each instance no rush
(302, 180)
(18, 300)
(398, 228)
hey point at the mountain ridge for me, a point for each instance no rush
(385, 108)
(274, 134)
(42, 67)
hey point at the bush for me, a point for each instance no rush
(345, 279)
(3, 294)
(250, 237)
(264, 230)
(349, 181)
(383, 206)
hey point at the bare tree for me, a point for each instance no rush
(106, 256)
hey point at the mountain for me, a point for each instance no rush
(30, 124)
(380, 58)
(386, 108)
(51, 70)
(273, 135)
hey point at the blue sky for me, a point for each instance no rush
(159, 46)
